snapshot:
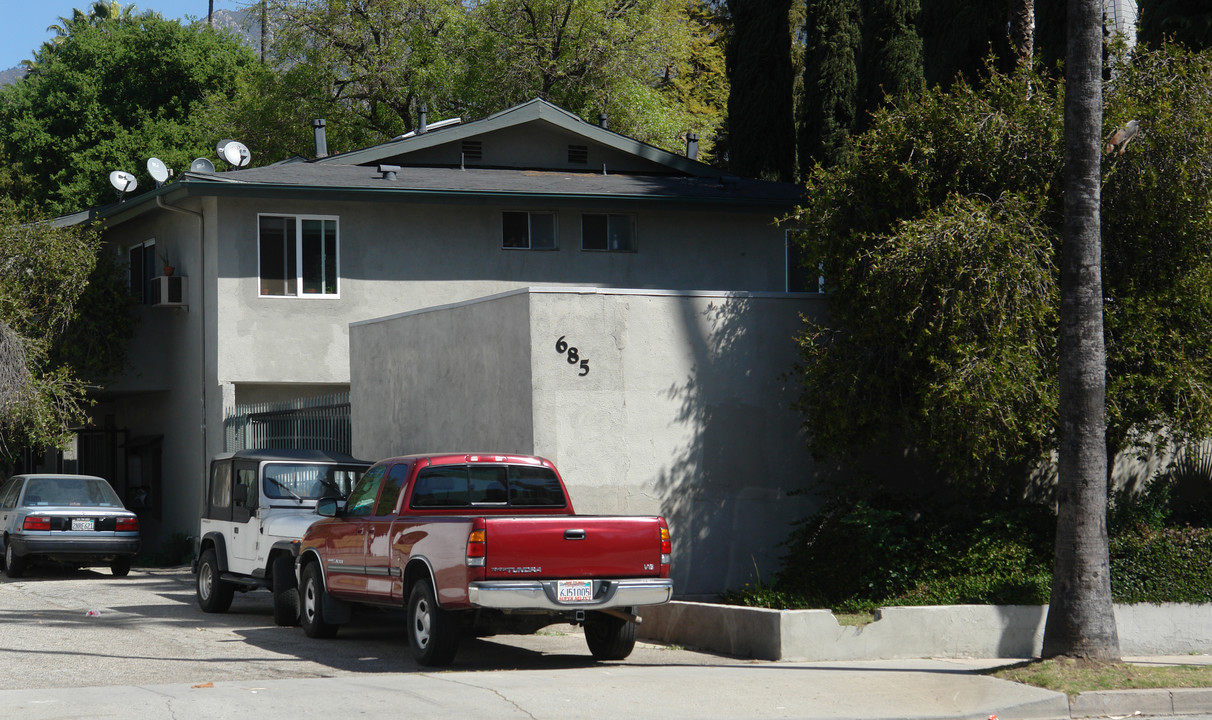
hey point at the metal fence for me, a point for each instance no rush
(314, 423)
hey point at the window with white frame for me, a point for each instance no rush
(801, 277)
(608, 232)
(140, 269)
(297, 255)
(526, 230)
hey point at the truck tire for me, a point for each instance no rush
(286, 591)
(120, 567)
(311, 604)
(609, 637)
(14, 566)
(433, 635)
(214, 595)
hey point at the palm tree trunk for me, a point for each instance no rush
(210, 13)
(1081, 617)
(1022, 29)
(264, 28)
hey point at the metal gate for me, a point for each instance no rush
(314, 423)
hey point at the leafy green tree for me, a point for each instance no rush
(953, 355)
(828, 108)
(1183, 21)
(64, 319)
(761, 114)
(112, 92)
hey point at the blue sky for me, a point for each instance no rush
(24, 24)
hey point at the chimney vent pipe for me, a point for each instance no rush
(602, 120)
(422, 119)
(692, 146)
(317, 128)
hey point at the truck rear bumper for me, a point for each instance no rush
(541, 594)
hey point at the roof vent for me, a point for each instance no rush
(389, 171)
(692, 146)
(578, 154)
(602, 120)
(473, 150)
(422, 119)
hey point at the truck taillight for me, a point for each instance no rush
(666, 546)
(36, 522)
(477, 546)
(127, 525)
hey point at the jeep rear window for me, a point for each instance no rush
(309, 481)
(451, 486)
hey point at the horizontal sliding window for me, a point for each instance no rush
(608, 233)
(528, 230)
(298, 255)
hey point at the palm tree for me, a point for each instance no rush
(1081, 617)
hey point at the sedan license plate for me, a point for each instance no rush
(82, 524)
(574, 591)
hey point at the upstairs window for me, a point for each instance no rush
(141, 268)
(528, 230)
(800, 276)
(607, 233)
(298, 255)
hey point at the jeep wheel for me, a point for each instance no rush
(432, 632)
(214, 595)
(286, 591)
(609, 637)
(311, 604)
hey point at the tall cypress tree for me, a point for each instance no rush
(892, 54)
(1185, 21)
(761, 116)
(834, 44)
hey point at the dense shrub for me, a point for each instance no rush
(1162, 565)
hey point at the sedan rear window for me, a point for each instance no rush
(71, 492)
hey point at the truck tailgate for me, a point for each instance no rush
(582, 546)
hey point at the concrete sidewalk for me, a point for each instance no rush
(871, 690)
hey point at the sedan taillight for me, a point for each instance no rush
(36, 522)
(127, 525)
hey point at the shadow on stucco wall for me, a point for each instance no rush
(733, 490)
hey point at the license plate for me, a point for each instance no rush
(82, 524)
(574, 591)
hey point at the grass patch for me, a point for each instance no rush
(1073, 677)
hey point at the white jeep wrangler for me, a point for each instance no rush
(257, 505)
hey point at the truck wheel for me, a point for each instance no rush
(286, 591)
(432, 632)
(311, 604)
(14, 566)
(609, 637)
(214, 595)
(120, 567)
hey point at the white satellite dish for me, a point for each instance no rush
(123, 182)
(202, 165)
(156, 168)
(236, 154)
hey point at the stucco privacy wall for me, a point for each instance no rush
(683, 410)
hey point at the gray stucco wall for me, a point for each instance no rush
(684, 411)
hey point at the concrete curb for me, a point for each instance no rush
(1121, 703)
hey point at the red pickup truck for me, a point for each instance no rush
(479, 543)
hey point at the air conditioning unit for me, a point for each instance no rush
(168, 291)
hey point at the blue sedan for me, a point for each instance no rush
(68, 519)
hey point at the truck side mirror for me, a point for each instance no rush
(326, 507)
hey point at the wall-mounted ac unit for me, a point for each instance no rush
(168, 291)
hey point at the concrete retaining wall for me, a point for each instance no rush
(990, 631)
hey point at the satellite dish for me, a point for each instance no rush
(123, 182)
(202, 165)
(236, 154)
(222, 144)
(156, 168)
